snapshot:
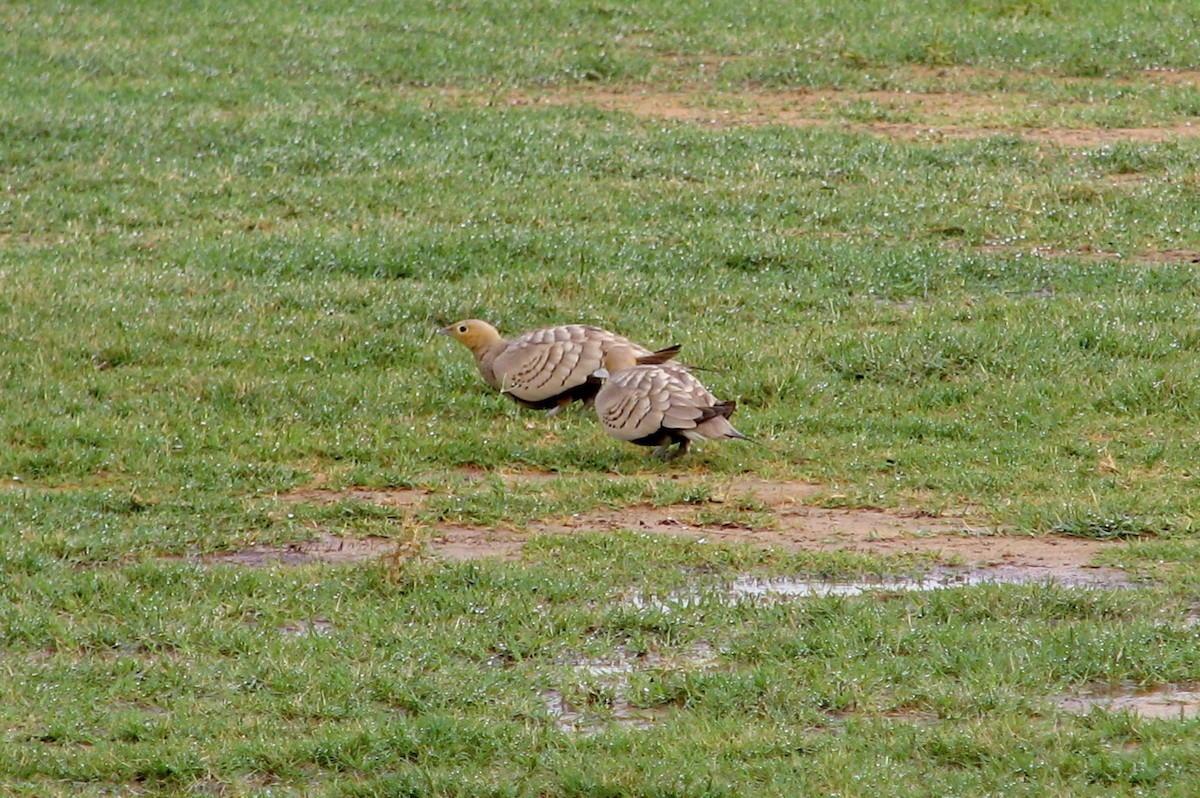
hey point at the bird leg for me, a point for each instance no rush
(558, 408)
(664, 452)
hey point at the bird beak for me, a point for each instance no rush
(442, 331)
(600, 373)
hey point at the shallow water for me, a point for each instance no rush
(753, 588)
(1166, 702)
(938, 579)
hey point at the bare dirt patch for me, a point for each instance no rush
(1098, 136)
(864, 531)
(1168, 256)
(387, 497)
(985, 555)
(908, 115)
(324, 548)
(1171, 77)
(456, 542)
(759, 512)
(1090, 253)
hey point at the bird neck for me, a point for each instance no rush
(487, 348)
(485, 356)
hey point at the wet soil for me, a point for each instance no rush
(781, 516)
(580, 706)
(581, 711)
(1164, 702)
(325, 548)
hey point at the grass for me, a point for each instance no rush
(227, 235)
(173, 676)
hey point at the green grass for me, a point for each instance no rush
(170, 676)
(228, 233)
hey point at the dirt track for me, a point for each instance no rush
(785, 521)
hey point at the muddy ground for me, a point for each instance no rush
(783, 517)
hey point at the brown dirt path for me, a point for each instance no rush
(783, 517)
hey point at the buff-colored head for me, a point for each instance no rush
(476, 335)
(615, 360)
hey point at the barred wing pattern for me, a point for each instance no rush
(640, 402)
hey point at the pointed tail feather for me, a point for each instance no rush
(726, 409)
(668, 354)
(739, 436)
(660, 356)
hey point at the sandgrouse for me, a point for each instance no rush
(547, 368)
(658, 405)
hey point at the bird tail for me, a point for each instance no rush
(658, 357)
(666, 354)
(726, 409)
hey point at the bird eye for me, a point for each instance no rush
(462, 328)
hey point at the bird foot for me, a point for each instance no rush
(665, 452)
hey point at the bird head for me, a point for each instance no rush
(473, 333)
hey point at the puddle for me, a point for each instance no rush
(603, 687)
(700, 656)
(588, 722)
(1167, 702)
(937, 579)
(752, 588)
(321, 627)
